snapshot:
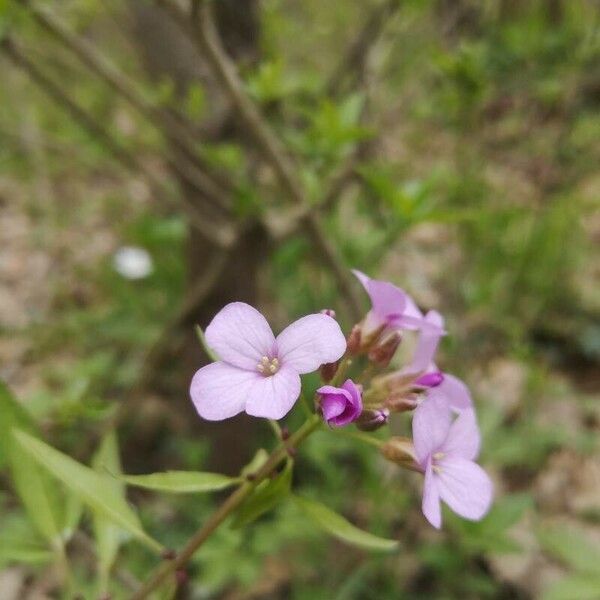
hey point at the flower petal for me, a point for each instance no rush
(465, 487)
(273, 397)
(429, 338)
(387, 300)
(240, 336)
(430, 425)
(310, 342)
(219, 390)
(456, 393)
(463, 439)
(430, 504)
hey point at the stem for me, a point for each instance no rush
(362, 437)
(166, 569)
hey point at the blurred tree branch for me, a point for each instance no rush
(353, 62)
(206, 37)
(188, 163)
(222, 236)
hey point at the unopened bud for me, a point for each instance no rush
(430, 380)
(328, 371)
(354, 340)
(329, 312)
(402, 402)
(373, 419)
(383, 353)
(400, 450)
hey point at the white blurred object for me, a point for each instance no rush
(132, 262)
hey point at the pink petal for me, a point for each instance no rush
(456, 393)
(430, 425)
(463, 439)
(219, 390)
(465, 487)
(427, 343)
(310, 342)
(273, 397)
(240, 336)
(431, 499)
(386, 298)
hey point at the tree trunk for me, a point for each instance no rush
(169, 54)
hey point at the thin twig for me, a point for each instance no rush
(356, 56)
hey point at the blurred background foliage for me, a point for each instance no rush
(475, 188)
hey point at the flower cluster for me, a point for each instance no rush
(260, 374)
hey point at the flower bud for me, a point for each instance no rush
(400, 450)
(383, 353)
(329, 312)
(430, 380)
(354, 340)
(373, 419)
(340, 406)
(328, 370)
(402, 402)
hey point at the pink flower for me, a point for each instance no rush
(257, 372)
(340, 405)
(446, 451)
(442, 385)
(391, 307)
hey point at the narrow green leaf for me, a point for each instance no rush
(202, 340)
(339, 527)
(20, 543)
(182, 482)
(258, 460)
(108, 535)
(39, 494)
(266, 496)
(94, 489)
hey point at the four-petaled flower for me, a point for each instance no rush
(340, 405)
(258, 373)
(391, 308)
(446, 450)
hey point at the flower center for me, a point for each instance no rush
(436, 457)
(268, 366)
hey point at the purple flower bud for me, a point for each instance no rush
(383, 353)
(340, 406)
(329, 312)
(430, 380)
(370, 419)
(354, 340)
(401, 451)
(402, 402)
(328, 371)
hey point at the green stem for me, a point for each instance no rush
(362, 437)
(167, 568)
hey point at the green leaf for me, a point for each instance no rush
(258, 460)
(571, 547)
(575, 587)
(94, 489)
(266, 496)
(108, 535)
(39, 495)
(19, 543)
(202, 340)
(182, 482)
(339, 527)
